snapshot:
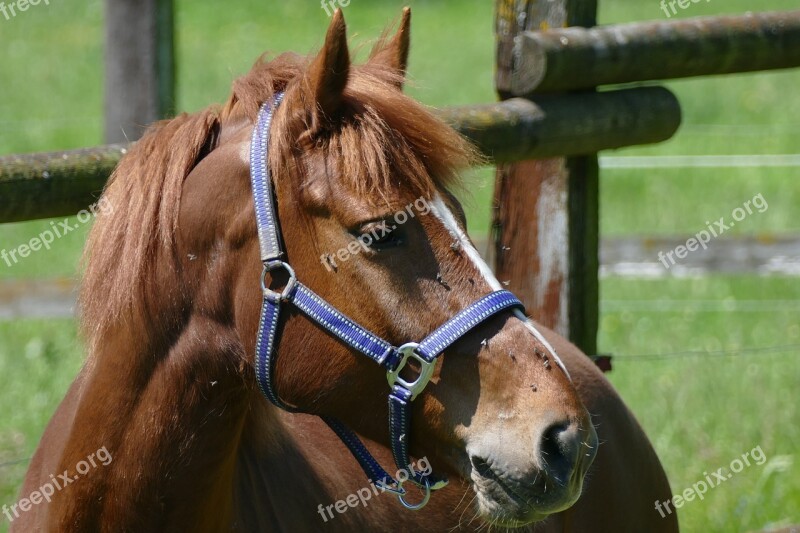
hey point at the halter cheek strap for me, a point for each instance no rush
(392, 358)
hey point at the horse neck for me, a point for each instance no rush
(284, 471)
(196, 447)
(171, 413)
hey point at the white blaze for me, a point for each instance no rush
(443, 213)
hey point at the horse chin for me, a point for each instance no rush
(501, 502)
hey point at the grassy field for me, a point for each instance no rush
(701, 412)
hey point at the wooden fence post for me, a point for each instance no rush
(139, 66)
(545, 220)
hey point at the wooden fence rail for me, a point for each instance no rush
(54, 184)
(578, 58)
(62, 183)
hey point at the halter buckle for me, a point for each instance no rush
(274, 296)
(406, 351)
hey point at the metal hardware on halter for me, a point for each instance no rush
(401, 493)
(274, 296)
(420, 505)
(406, 351)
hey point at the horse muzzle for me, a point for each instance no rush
(515, 488)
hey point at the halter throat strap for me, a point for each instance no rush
(392, 358)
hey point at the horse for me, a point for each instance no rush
(171, 303)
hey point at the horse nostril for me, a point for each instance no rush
(482, 466)
(559, 449)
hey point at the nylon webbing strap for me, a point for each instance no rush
(266, 216)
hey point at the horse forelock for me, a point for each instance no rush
(382, 141)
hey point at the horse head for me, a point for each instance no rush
(363, 178)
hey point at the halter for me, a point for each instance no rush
(392, 358)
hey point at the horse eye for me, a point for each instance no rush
(380, 235)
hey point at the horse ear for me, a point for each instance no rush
(329, 71)
(394, 54)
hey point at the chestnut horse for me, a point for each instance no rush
(171, 302)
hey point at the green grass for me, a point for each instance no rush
(680, 201)
(703, 412)
(700, 413)
(38, 359)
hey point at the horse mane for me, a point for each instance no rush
(381, 135)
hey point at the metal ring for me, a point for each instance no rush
(420, 505)
(290, 285)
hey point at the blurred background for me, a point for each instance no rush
(706, 358)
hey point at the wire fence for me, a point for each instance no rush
(700, 306)
(701, 161)
(785, 349)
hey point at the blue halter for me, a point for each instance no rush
(392, 358)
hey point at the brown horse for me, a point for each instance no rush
(171, 304)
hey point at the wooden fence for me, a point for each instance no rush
(544, 139)
(545, 222)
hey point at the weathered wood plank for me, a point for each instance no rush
(54, 184)
(519, 129)
(577, 58)
(139, 66)
(545, 222)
